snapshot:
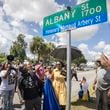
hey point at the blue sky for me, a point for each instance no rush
(67, 2)
(26, 17)
(101, 35)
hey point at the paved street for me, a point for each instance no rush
(90, 75)
(17, 104)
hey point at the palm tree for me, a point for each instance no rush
(50, 48)
(40, 48)
(36, 46)
(47, 49)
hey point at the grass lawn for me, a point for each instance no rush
(80, 105)
(84, 105)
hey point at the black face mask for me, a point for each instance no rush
(24, 71)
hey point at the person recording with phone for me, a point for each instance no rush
(8, 76)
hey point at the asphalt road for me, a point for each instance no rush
(90, 76)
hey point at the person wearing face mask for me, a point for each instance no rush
(29, 88)
(8, 76)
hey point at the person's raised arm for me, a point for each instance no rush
(105, 60)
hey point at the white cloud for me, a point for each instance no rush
(109, 17)
(35, 30)
(100, 45)
(62, 38)
(6, 30)
(107, 49)
(30, 10)
(15, 23)
(30, 55)
(28, 39)
(84, 33)
(9, 31)
(2, 41)
(91, 54)
(83, 47)
(81, 1)
(4, 46)
(1, 13)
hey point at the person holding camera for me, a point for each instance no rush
(8, 76)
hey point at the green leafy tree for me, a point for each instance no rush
(40, 48)
(2, 57)
(21, 41)
(18, 48)
(80, 60)
(48, 48)
(36, 46)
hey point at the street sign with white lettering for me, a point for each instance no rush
(85, 14)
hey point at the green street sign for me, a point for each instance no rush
(85, 14)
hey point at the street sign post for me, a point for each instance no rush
(85, 14)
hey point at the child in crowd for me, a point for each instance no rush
(84, 93)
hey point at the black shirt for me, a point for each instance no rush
(28, 85)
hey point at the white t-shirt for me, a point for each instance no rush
(103, 79)
(100, 73)
(9, 82)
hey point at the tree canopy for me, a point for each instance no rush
(18, 48)
(40, 48)
(2, 57)
(80, 60)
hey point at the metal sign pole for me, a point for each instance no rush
(69, 71)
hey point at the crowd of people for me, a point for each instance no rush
(30, 82)
(36, 82)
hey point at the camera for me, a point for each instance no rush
(10, 58)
